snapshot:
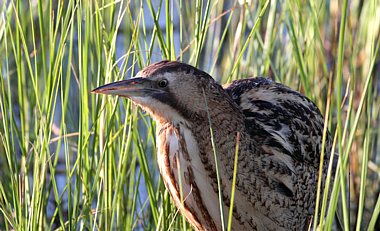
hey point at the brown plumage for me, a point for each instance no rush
(280, 144)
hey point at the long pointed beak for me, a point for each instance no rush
(128, 88)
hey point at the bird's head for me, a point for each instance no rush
(170, 91)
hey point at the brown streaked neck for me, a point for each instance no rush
(226, 121)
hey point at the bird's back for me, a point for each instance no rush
(287, 130)
(280, 118)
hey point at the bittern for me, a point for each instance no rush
(279, 147)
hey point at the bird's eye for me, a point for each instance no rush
(163, 83)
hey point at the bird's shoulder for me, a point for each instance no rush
(279, 119)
